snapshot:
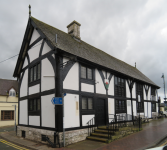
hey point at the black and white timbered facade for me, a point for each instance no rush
(52, 62)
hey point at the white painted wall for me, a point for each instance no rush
(127, 90)
(128, 104)
(156, 95)
(111, 108)
(72, 79)
(48, 76)
(99, 86)
(34, 51)
(134, 108)
(134, 91)
(104, 73)
(24, 85)
(71, 108)
(111, 86)
(149, 93)
(48, 111)
(35, 35)
(156, 107)
(87, 87)
(25, 62)
(149, 110)
(46, 49)
(23, 112)
(144, 93)
(145, 109)
(86, 118)
(34, 120)
(34, 89)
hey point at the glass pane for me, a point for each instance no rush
(123, 105)
(35, 106)
(119, 105)
(35, 73)
(10, 93)
(83, 72)
(116, 81)
(14, 94)
(31, 74)
(84, 103)
(38, 104)
(89, 73)
(39, 71)
(31, 105)
(119, 81)
(90, 103)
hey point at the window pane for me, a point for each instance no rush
(35, 73)
(38, 104)
(84, 103)
(39, 71)
(83, 72)
(35, 106)
(10, 93)
(30, 107)
(14, 94)
(31, 74)
(116, 81)
(90, 103)
(89, 73)
(119, 81)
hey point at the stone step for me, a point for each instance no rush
(97, 138)
(105, 128)
(100, 135)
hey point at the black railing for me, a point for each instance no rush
(91, 126)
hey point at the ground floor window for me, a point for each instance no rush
(140, 106)
(120, 106)
(34, 106)
(7, 115)
(153, 107)
(87, 103)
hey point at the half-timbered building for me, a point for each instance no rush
(52, 62)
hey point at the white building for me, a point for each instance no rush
(52, 62)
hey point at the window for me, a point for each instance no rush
(120, 106)
(87, 103)
(35, 73)
(153, 93)
(120, 87)
(86, 73)
(139, 91)
(34, 105)
(7, 115)
(12, 92)
(153, 107)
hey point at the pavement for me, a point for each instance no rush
(152, 134)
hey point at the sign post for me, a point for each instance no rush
(63, 121)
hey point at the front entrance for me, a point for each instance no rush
(100, 112)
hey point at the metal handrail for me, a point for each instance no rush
(91, 127)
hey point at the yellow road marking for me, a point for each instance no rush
(164, 143)
(12, 145)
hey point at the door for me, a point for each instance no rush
(100, 112)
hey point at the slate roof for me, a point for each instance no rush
(81, 49)
(6, 85)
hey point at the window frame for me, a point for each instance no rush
(32, 74)
(3, 115)
(117, 86)
(86, 72)
(139, 91)
(152, 108)
(13, 92)
(35, 111)
(87, 97)
(120, 110)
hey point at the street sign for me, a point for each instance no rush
(57, 100)
(64, 94)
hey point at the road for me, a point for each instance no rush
(6, 145)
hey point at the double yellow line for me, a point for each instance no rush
(12, 145)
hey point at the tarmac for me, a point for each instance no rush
(152, 134)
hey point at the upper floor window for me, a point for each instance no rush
(86, 73)
(12, 92)
(139, 91)
(35, 72)
(120, 87)
(153, 94)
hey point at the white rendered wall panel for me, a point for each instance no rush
(111, 86)
(87, 87)
(134, 108)
(48, 76)
(86, 118)
(129, 110)
(134, 91)
(71, 107)
(25, 62)
(149, 93)
(127, 90)
(111, 108)
(156, 107)
(48, 111)
(23, 112)
(34, 52)
(104, 73)
(24, 84)
(34, 120)
(46, 48)
(156, 95)
(108, 74)
(99, 86)
(34, 37)
(149, 110)
(144, 93)
(34, 89)
(72, 79)
(145, 109)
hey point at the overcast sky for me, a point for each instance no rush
(130, 30)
